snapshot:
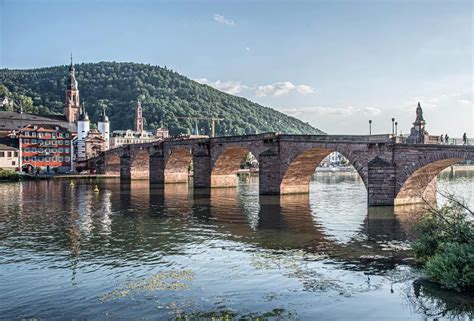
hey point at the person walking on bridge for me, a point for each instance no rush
(464, 139)
(446, 139)
(441, 139)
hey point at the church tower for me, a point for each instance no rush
(71, 97)
(138, 121)
(104, 128)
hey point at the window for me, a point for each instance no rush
(66, 159)
(2, 154)
(13, 163)
(33, 141)
(9, 154)
(61, 158)
(15, 154)
(66, 150)
(34, 134)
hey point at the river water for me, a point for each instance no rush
(131, 251)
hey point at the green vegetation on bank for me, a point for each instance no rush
(165, 95)
(8, 175)
(446, 245)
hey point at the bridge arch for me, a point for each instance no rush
(226, 165)
(296, 176)
(135, 164)
(418, 183)
(177, 166)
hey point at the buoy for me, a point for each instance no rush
(96, 189)
(71, 184)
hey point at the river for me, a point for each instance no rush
(133, 251)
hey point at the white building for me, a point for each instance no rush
(103, 125)
(90, 142)
(124, 137)
(9, 157)
(83, 128)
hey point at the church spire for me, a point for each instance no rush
(71, 96)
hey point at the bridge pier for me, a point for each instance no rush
(201, 170)
(125, 168)
(269, 173)
(381, 182)
(157, 169)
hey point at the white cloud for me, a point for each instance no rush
(439, 101)
(223, 20)
(347, 111)
(229, 86)
(282, 88)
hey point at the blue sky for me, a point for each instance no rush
(334, 64)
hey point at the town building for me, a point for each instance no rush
(46, 147)
(124, 137)
(162, 133)
(91, 140)
(9, 154)
(5, 102)
(12, 122)
(139, 135)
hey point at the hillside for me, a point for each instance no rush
(164, 93)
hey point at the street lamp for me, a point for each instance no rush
(393, 126)
(396, 128)
(370, 127)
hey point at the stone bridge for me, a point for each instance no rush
(393, 173)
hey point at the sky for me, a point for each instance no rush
(334, 64)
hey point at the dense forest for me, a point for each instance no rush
(165, 95)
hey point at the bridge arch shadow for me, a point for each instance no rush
(177, 166)
(419, 185)
(301, 168)
(227, 165)
(135, 165)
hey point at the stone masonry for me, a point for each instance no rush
(392, 173)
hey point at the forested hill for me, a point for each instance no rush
(165, 95)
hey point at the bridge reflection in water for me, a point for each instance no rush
(69, 240)
(334, 220)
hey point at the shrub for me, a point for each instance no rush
(8, 175)
(446, 245)
(453, 266)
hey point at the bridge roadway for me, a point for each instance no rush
(393, 173)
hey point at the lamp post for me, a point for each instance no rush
(370, 127)
(393, 126)
(396, 128)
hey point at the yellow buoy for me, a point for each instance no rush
(96, 189)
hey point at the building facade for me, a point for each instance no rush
(91, 140)
(46, 147)
(124, 137)
(162, 133)
(9, 157)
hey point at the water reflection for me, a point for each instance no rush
(249, 254)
